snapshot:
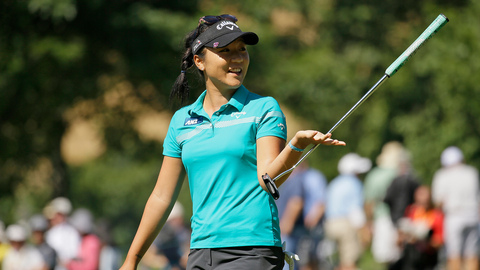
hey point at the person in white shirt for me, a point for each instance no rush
(62, 236)
(21, 256)
(455, 190)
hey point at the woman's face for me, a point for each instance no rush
(422, 196)
(224, 68)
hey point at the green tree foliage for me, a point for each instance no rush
(109, 63)
(56, 54)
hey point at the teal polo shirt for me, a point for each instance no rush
(230, 208)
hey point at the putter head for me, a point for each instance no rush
(271, 187)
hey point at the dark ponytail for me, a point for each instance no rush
(181, 89)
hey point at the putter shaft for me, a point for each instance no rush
(368, 94)
(438, 23)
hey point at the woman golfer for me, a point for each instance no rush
(226, 140)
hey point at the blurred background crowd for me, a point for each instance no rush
(63, 238)
(378, 208)
(386, 211)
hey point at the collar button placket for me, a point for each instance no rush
(215, 118)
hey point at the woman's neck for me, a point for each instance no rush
(215, 99)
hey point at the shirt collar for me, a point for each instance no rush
(197, 106)
(239, 98)
(238, 101)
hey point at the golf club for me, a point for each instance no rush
(433, 28)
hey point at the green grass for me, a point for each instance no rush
(368, 263)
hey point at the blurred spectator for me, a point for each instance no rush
(401, 191)
(290, 211)
(421, 231)
(301, 207)
(4, 245)
(172, 245)
(306, 207)
(314, 185)
(182, 233)
(89, 252)
(345, 216)
(384, 234)
(61, 236)
(110, 256)
(39, 225)
(21, 256)
(455, 189)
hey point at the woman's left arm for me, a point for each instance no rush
(273, 157)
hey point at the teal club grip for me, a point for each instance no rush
(433, 28)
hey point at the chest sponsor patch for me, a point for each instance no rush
(193, 121)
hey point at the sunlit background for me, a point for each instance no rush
(84, 89)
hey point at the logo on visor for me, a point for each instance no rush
(215, 45)
(193, 121)
(229, 25)
(198, 43)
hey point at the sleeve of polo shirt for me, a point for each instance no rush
(171, 147)
(272, 122)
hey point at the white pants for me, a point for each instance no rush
(384, 241)
(460, 236)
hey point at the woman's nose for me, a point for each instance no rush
(238, 57)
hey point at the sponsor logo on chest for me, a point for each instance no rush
(193, 121)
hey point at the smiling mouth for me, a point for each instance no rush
(235, 70)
